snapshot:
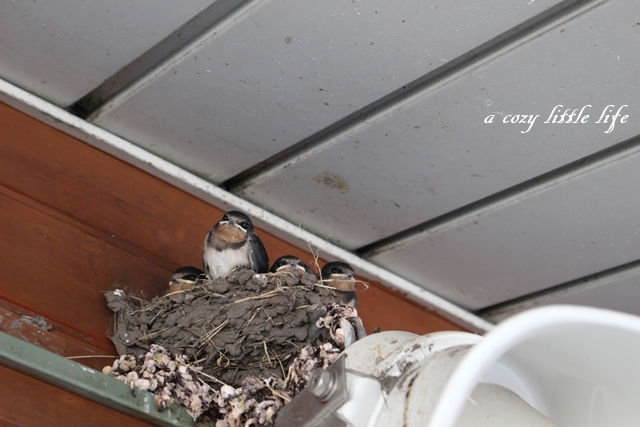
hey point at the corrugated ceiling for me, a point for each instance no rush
(365, 123)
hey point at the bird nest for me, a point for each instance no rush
(225, 339)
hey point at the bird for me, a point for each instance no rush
(341, 276)
(184, 278)
(290, 264)
(233, 243)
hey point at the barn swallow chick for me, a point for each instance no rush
(233, 243)
(341, 276)
(290, 264)
(184, 278)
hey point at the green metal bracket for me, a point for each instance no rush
(89, 383)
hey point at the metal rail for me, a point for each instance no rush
(86, 382)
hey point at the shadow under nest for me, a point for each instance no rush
(245, 324)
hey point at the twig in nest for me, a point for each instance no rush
(284, 374)
(89, 357)
(177, 345)
(180, 291)
(268, 316)
(276, 393)
(266, 352)
(223, 357)
(212, 378)
(220, 352)
(366, 284)
(261, 296)
(198, 361)
(212, 333)
(280, 274)
(146, 337)
(143, 306)
(294, 344)
(316, 256)
(320, 285)
(209, 293)
(156, 316)
(255, 312)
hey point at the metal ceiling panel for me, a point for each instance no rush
(62, 49)
(435, 154)
(620, 293)
(575, 228)
(279, 71)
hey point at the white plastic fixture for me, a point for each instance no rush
(562, 366)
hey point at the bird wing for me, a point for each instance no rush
(257, 254)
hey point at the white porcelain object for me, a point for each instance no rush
(562, 366)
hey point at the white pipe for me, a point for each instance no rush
(294, 234)
(533, 326)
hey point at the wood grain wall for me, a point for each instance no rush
(75, 222)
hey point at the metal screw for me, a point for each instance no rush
(322, 384)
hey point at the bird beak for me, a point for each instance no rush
(232, 223)
(236, 225)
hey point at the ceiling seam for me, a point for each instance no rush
(140, 82)
(506, 197)
(537, 298)
(489, 51)
(211, 16)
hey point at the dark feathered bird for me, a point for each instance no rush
(184, 278)
(290, 264)
(233, 243)
(341, 276)
(188, 273)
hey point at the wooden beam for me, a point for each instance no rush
(61, 272)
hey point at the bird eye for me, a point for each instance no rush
(225, 218)
(244, 225)
(334, 270)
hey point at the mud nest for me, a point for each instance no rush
(243, 325)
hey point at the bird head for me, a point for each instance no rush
(234, 227)
(339, 275)
(289, 264)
